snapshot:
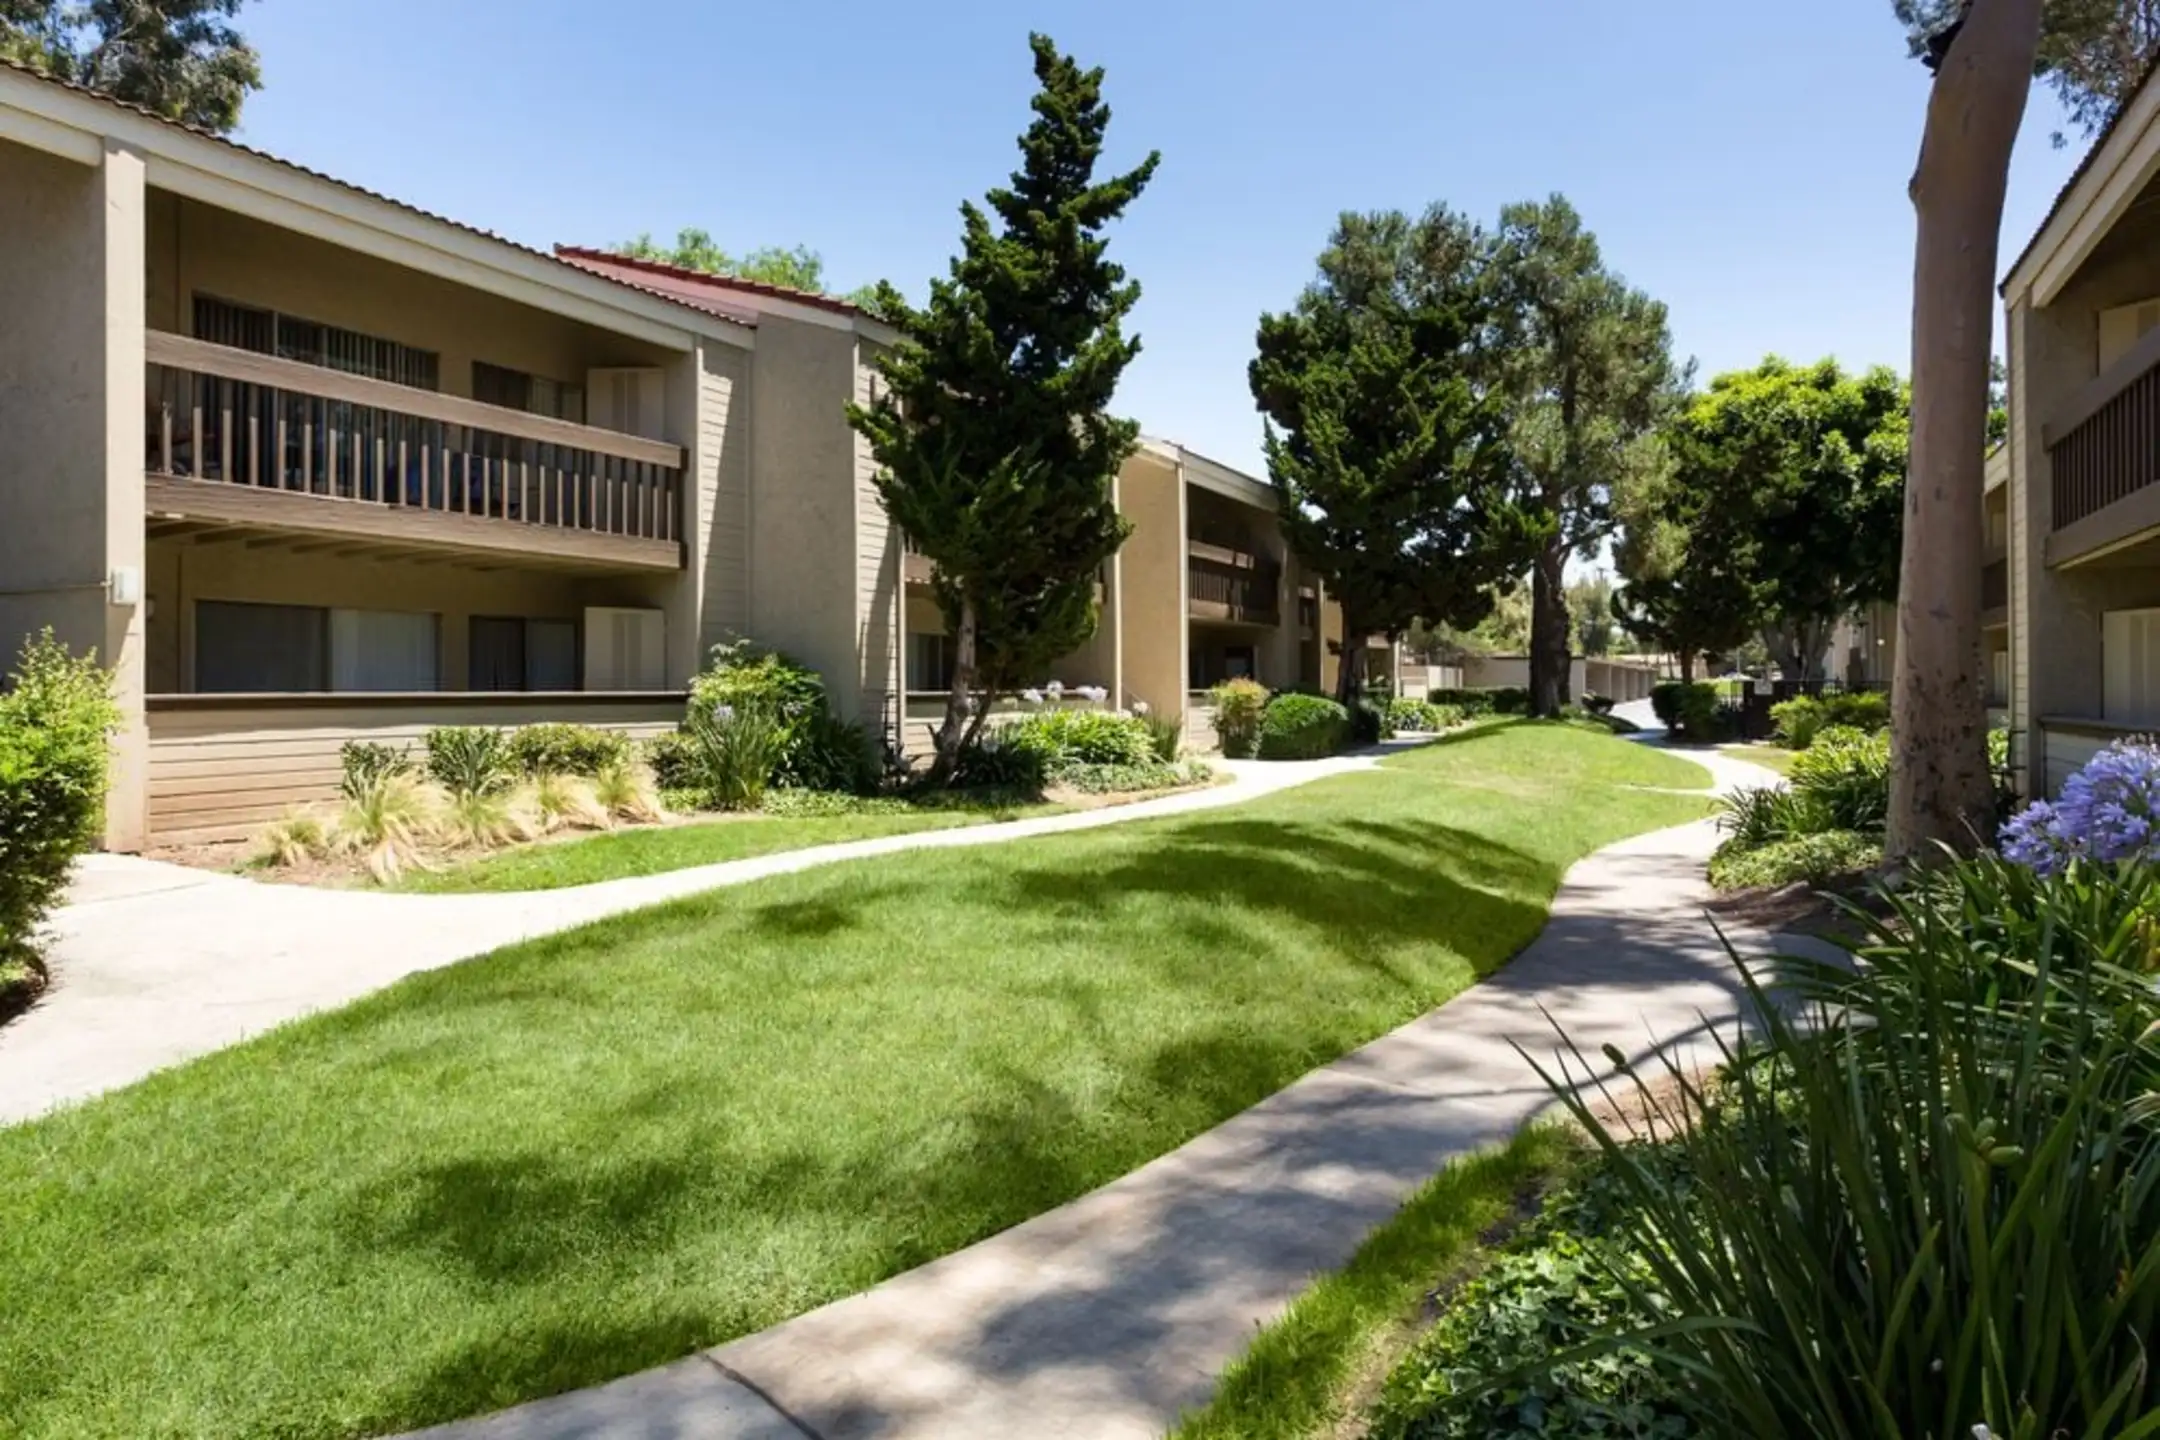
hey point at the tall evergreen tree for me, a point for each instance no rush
(180, 58)
(1591, 372)
(995, 447)
(1385, 435)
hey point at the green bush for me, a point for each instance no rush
(749, 679)
(734, 751)
(991, 763)
(365, 766)
(1493, 700)
(1302, 727)
(1845, 776)
(1128, 779)
(1080, 737)
(567, 750)
(1485, 1371)
(56, 720)
(1926, 1191)
(1691, 710)
(833, 754)
(1239, 707)
(672, 759)
(1166, 732)
(1804, 717)
(469, 760)
(1369, 722)
(1813, 858)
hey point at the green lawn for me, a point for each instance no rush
(551, 866)
(1302, 1375)
(592, 1153)
(1770, 757)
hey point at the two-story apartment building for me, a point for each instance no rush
(305, 465)
(2077, 585)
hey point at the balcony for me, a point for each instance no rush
(1995, 588)
(250, 442)
(2104, 457)
(1232, 586)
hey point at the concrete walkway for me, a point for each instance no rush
(1109, 1317)
(156, 963)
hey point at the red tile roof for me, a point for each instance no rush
(609, 262)
(737, 315)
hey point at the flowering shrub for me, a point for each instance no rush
(1239, 705)
(1085, 737)
(2106, 813)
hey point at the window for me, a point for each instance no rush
(509, 653)
(246, 648)
(313, 343)
(2130, 666)
(260, 649)
(534, 394)
(929, 661)
(390, 650)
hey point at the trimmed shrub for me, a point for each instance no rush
(1599, 705)
(1845, 778)
(365, 764)
(1690, 710)
(1129, 779)
(1302, 727)
(469, 759)
(1240, 706)
(55, 721)
(991, 763)
(582, 750)
(833, 754)
(1080, 737)
(1815, 858)
(1369, 723)
(1423, 716)
(672, 760)
(1804, 717)
(1495, 700)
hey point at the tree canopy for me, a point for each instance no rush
(995, 447)
(1779, 508)
(799, 268)
(1590, 373)
(182, 59)
(1386, 433)
(2092, 53)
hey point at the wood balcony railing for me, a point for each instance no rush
(1227, 586)
(2105, 445)
(452, 470)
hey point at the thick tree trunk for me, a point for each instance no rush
(1549, 629)
(1687, 667)
(1940, 790)
(961, 723)
(1350, 665)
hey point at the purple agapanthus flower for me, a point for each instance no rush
(2107, 812)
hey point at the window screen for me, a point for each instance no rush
(383, 650)
(930, 662)
(260, 649)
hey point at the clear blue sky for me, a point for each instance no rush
(1744, 162)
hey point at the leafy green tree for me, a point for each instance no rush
(1590, 611)
(800, 268)
(2093, 53)
(1685, 590)
(1799, 473)
(1385, 434)
(182, 59)
(1591, 373)
(995, 447)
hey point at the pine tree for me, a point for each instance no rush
(1385, 435)
(996, 451)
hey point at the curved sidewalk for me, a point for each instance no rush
(1109, 1317)
(155, 963)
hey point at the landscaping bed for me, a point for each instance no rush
(599, 1151)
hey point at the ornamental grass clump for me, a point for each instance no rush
(2107, 813)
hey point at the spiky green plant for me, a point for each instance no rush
(1927, 1198)
(564, 802)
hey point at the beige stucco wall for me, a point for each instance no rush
(181, 573)
(71, 405)
(879, 593)
(1152, 583)
(804, 554)
(710, 599)
(196, 249)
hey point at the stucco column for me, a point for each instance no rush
(71, 432)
